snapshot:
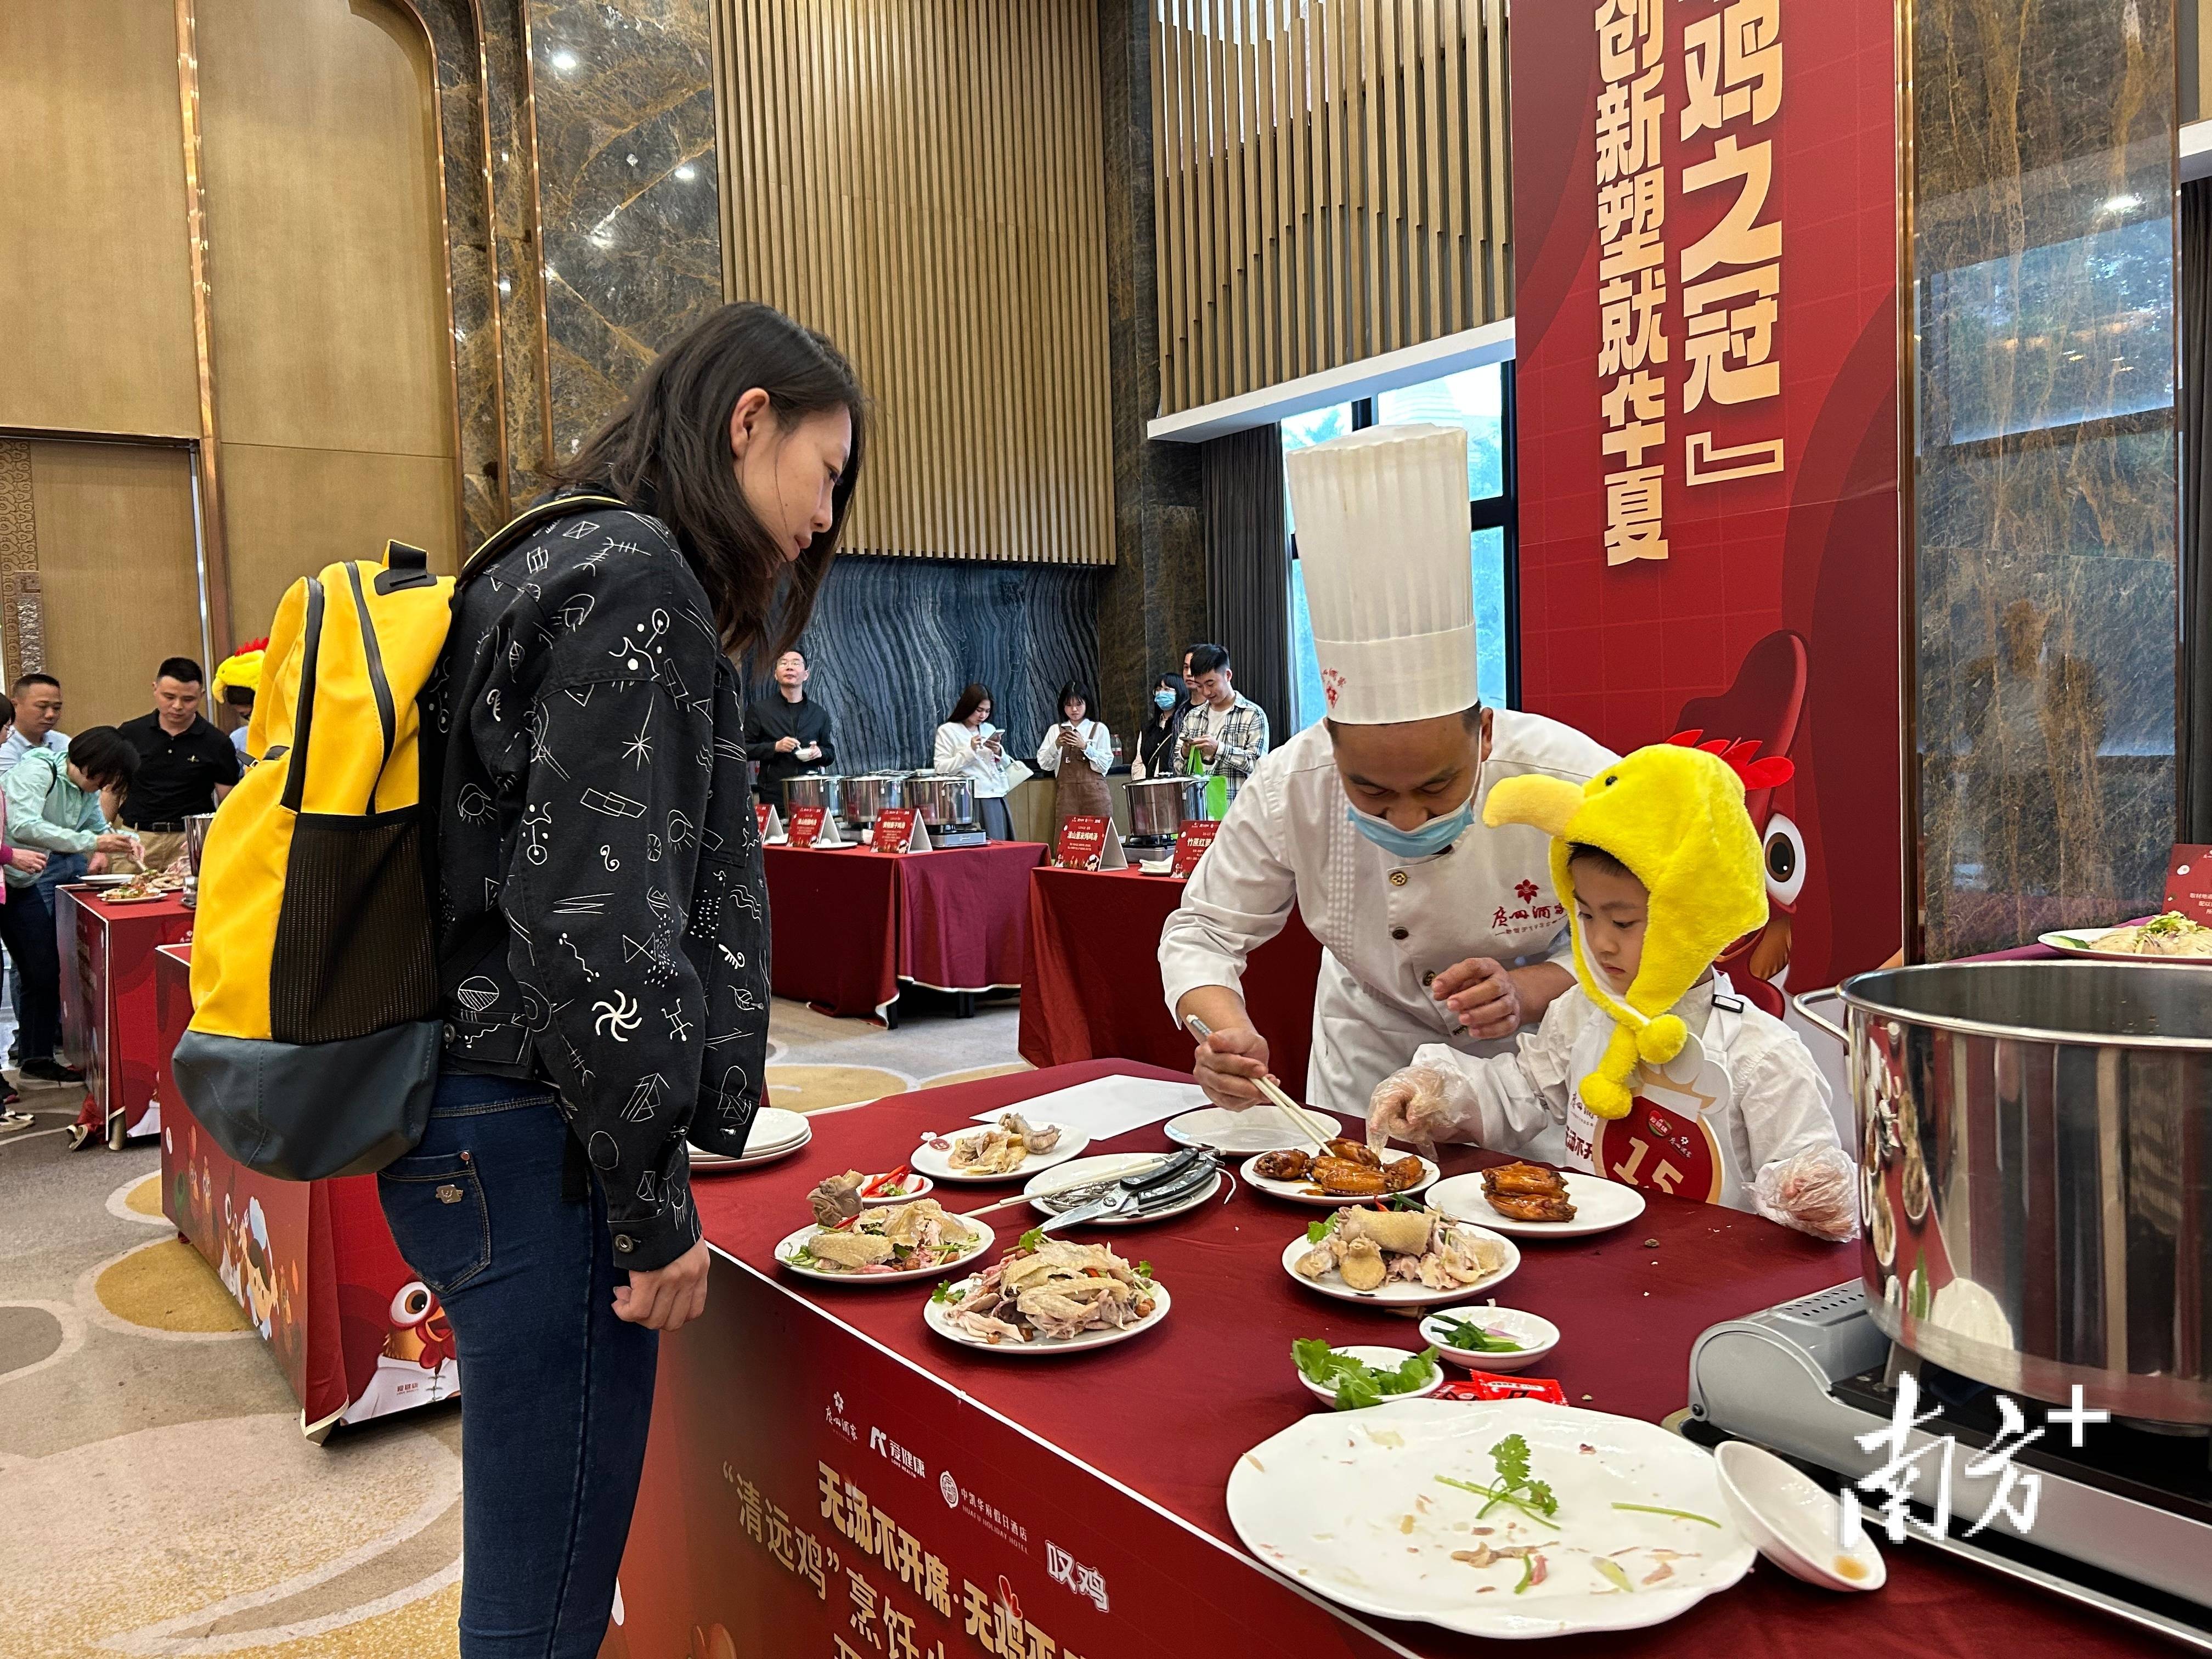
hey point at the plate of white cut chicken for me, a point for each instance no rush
(1049, 1295)
(849, 1242)
(1405, 1258)
(997, 1151)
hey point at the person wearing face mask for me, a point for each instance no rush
(1434, 926)
(1156, 737)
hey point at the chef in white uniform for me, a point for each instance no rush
(1434, 927)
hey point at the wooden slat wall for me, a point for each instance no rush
(923, 181)
(1331, 180)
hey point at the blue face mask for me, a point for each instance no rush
(1430, 838)
(1163, 699)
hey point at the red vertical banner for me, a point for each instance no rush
(1705, 250)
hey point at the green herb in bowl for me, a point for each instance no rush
(1470, 1338)
(1355, 1382)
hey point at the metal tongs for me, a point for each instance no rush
(1156, 1187)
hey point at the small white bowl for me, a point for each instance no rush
(1793, 1522)
(919, 1186)
(1382, 1359)
(1537, 1336)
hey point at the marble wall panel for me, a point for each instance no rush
(1153, 602)
(2044, 494)
(624, 116)
(893, 641)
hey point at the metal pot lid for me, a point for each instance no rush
(2110, 1004)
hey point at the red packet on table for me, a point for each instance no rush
(1191, 843)
(899, 830)
(1487, 1385)
(2189, 882)
(1090, 843)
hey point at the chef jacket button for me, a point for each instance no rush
(1397, 878)
(624, 1243)
(1397, 933)
(1428, 979)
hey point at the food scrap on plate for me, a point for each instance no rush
(1527, 1192)
(1001, 1148)
(1368, 1249)
(1047, 1289)
(911, 1238)
(1347, 1168)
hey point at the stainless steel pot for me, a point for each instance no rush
(1161, 806)
(866, 798)
(2036, 1148)
(816, 789)
(942, 801)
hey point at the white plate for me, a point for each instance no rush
(774, 1129)
(1600, 1206)
(1537, 1337)
(1298, 1191)
(917, 1186)
(939, 1165)
(1326, 1502)
(1382, 1359)
(715, 1164)
(1104, 1167)
(1263, 1129)
(2082, 942)
(105, 881)
(1794, 1523)
(934, 1314)
(1398, 1292)
(784, 1247)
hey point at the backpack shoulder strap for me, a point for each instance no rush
(524, 522)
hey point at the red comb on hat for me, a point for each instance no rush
(1774, 770)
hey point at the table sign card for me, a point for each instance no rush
(2189, 882)
(771, 824)
(1191, 843)
(1090, 843)
(812, 826)
(899, 830)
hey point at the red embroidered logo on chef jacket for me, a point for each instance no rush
(1332, 684)
(1661, 1150)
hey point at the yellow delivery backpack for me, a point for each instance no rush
(313, 1045)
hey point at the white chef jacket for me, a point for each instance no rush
(1387, 926)
(985, 769)
(1098, 746)
(1529, 1102)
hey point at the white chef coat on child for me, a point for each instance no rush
(1388, 926)
(1758, 1100)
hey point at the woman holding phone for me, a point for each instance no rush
(970, 745)
(1079, 752)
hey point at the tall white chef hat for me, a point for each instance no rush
(1382, 537)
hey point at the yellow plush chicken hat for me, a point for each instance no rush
(1674, 816)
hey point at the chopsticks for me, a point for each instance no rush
(1268, 1085)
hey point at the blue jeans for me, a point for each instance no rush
(60, 867)
(555, 1391)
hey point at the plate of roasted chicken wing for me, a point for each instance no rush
(1531, 1200)
(1347, 1170)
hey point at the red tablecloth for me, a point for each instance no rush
(847, 926)
(108, 1025)
(1089, 1490)
(313, 1263)
(1091, 990)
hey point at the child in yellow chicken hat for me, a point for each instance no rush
(1659, 866)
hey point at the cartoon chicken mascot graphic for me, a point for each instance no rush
(1752, 725)
(416, 1363)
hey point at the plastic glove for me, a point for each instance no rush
(1816, 1192)
(1415, 1106)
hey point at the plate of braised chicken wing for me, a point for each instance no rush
(1347, 1170)
(1532, 1201)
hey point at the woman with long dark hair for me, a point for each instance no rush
(603, 938)
(1079, 752)
(969, 746)
(1156, 737)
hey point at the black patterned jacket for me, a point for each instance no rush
(602, 917)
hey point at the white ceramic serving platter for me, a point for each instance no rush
(1399, 1292)
(2083, 942)
(1348, 1505)
(938, 1165)
(1111, 1166)
(1301, 1191)
(935, 1314)
(788, 1245)
(1600, 1206)
(1263, 1128)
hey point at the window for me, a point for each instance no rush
(1480, 401)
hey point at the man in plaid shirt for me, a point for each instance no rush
(1228, 731)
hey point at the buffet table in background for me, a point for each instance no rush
(848, 925)
(312, 1264)
(1091, 990)
(108, 1025)
(825, 1477)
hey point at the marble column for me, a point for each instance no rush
(1154, 601)
(2044, 505)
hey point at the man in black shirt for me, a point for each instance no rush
(786, 734)
(182, 760)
